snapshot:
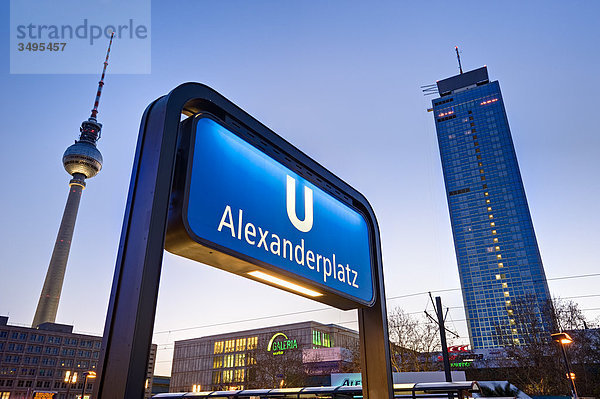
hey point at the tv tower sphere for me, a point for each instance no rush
(83, 156)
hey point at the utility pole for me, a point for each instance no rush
(442, 327)
(445, 355)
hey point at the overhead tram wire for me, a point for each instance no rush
(387, 299)
(458, 289)
(170, 346)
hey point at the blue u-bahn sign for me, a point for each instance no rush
(221, 188)
(274, 225)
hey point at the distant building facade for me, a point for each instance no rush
(499, 262)
(160, 384)
(36, 360)
(226, 361)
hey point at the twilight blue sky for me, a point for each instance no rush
(340, 80)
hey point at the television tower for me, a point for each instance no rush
(81, 160)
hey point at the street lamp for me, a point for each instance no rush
(86, 375)
(564, 339)
(70, 379)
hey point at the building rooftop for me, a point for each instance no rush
(302, 324)
(475, 77)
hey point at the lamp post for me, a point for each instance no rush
(86, 375)
(70, 378)
(564, 339)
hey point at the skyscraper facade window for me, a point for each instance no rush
(499, 262)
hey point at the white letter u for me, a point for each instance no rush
(302, 225)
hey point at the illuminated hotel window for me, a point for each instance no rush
(326, 341)
(504, 285)
(491, 216)
(493, 231)
(486, 193)
(229, 345)
(498, 277)
(497, 248)
(516, 340)
(252, 343)
(499, 256)
(239, 375)
(228, 361)
(240, 344)
(219, 347)
(251, 359)
(512, 321)
(487, 201)
(500, 264)
(510, 312)
(240, 359)
(216, 377)
(316, 337)
(492, 224)
(507, 303)
(489, 208)
(227, 375)
(495, 240)
(217, 362)
(506, 293)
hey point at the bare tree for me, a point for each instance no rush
(269, 370)
(410, 338)
(584, 353)
(533, 361)
(353, 365)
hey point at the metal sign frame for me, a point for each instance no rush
(132, 306)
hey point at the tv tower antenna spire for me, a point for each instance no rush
(101, 82)
(458, 57)
(81, 160)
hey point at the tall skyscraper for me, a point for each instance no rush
(499, 262)
(81, 160)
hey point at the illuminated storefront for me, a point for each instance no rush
(229, 361)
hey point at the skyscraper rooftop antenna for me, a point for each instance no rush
(101, 82)
(457, 56)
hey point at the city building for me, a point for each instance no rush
(499, 263)
(160, 384)
(50, 361)
(238, 360)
